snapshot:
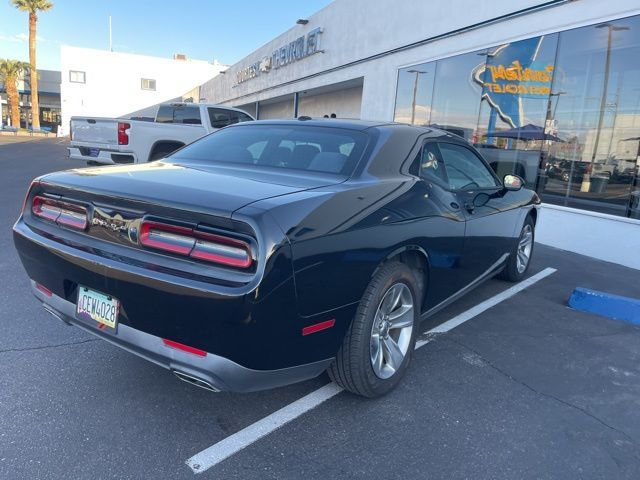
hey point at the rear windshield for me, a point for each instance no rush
(313, 149)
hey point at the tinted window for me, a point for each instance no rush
(189, 115)
(178, 114)
(431, 165)
(465, 171)
(220, 117)
(314, 149)
(243, 117)
(165, 114)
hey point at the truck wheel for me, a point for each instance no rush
(377, 348)
(520, 256)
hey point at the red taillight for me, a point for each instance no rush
(184, 348)
(219, 249)
(195, 244)
(170, 238)
(62, 213)
(123, 133)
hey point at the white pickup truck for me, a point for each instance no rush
(124, 140)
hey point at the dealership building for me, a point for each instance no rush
(548, 90)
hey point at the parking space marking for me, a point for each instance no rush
(491, 302)
(238, 441)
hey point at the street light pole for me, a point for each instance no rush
(586, 182)
(415, 92)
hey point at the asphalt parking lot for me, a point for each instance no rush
(526, 389)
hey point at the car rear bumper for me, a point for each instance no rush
(104, 157)
(210, 371)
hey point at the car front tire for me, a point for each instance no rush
(378, 346)
(520, 256)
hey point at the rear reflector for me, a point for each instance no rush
(195, 244)
(318, 327)
(184, 348)
(62, 213)
(44, 290)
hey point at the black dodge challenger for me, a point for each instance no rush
(271, 251)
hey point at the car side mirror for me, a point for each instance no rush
(513, 183)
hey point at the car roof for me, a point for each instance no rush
(353, 124)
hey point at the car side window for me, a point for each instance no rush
(241, 117)
(219, 117)
(187, 115)
(431, 165)
(178, 114)
(464, 170)
(165, 114)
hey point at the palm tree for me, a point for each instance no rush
(33, 7)
(10, 72)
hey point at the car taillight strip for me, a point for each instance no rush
(216, 252)
(168, 241)
(199, 245)
(62, 213)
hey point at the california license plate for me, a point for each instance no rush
(94, 152)
(97, 306)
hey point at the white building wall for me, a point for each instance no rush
(283, 109)
(113, 81)
(345, 103)
(348, 35)
(609, 238)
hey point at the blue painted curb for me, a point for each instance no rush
(606, 304)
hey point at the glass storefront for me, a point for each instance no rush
(560, 110)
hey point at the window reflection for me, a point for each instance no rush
(561, 110)
(596, 112)
(415, 89)
(456, 98)
(516, 85)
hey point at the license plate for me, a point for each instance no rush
(94, 152)
(98, 307)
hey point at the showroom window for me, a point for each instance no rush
(415, 89)
(76, 76)
(516, 84)
(147, 84)
(560, 110)
(595, 111)
(456, 98)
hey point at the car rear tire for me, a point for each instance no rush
(377, 348)
(520, 257)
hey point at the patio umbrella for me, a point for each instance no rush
(526, 132)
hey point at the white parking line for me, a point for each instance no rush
(232, 444)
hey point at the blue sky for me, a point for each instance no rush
(205, 29)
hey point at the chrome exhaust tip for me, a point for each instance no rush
(55, 314)
(198, 382)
